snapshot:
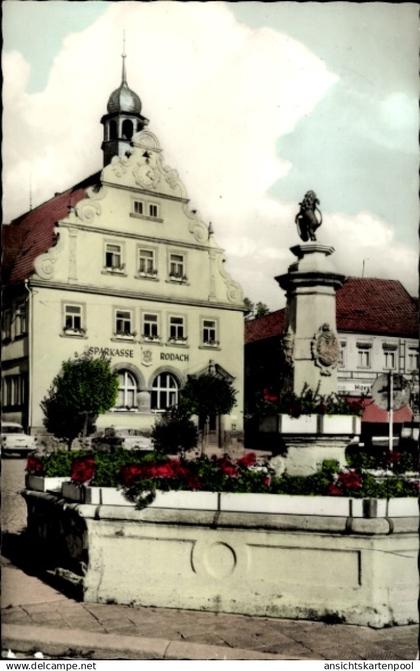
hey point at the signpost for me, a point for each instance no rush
(391, 391)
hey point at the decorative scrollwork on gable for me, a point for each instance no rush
(89, 208)
(233, 289)
(44, 264)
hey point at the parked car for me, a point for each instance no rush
(14, 440)
(128, 439)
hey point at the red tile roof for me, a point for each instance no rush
(364, 305)
(32, 233)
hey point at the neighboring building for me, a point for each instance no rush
(377, 324)
(120, 265)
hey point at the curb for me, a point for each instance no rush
(61, 643)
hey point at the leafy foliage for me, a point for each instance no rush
(309, 401)
(85, 388)
(141, 475)
(174, 432)
(207, 394)
(254, 311)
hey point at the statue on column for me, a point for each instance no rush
(306, 219)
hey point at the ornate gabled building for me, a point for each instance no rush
(119, 265)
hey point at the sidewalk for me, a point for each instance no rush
(36, 617)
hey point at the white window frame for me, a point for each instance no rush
(215, 342)
(413, 359)
(127, 387)
(21, 319)
(342, 354)
(364, 356)
(148, 272)
(166, 396)
(73, 330)
(116, 266)
(141, 204)
(390, 357)
(130, 319)
(177, 332)
(150, 337)
(151, 205)
(177, 269)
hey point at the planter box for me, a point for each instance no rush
(184, 500)
(44, 483)
(94, 495)
(302, 424)
(285, 504)
(280, 504)
(348, 425)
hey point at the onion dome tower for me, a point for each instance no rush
(123, 119)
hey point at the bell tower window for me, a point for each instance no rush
(127, 129)
(112, 130)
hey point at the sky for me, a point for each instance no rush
(254, 104)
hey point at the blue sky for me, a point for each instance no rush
(331, 89)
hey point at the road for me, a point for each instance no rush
(13, 508)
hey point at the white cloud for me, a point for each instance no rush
(219, 95)
(217, 92)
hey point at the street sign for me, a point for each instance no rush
(392, 385)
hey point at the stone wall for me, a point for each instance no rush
(354, 570)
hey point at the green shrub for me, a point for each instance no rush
(175, 432)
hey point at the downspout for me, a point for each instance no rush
(30, 353)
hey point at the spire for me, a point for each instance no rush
(123, 56)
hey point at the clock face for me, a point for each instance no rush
(146, 176)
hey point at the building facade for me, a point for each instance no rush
(119, 265)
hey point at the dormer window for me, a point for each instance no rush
(113, 257)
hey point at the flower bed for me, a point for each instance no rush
(139, 477)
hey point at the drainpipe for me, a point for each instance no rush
(30, 353)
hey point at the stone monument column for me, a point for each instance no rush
(311, 343)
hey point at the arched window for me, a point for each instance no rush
(127, 129)
(164, 391)
(112, 130)
(127, 390)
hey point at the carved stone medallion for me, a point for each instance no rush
(325, 349)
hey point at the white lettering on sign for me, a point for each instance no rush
(110, 351)
(174, 357)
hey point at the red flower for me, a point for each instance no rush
(393, 457)
(82, 470)
(193, 482)
(247, 460)
(270, 397)
(228, 468)
(267, 481)
(350, 480)
(333, 490)
(34, 465)
(129, 474)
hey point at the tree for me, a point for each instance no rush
(85, 388)
(205, 395)
(254, 311)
